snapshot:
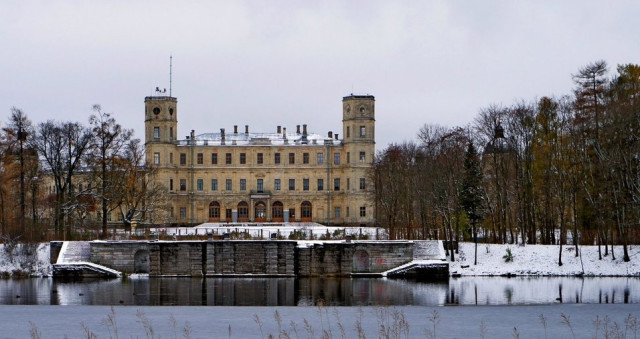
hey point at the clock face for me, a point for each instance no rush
(156, 110)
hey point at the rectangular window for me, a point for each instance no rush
(156, 133)
(363, 211)
(183, 184)
(348, 184)
(260, 158)
(200, 185)
(227, 158)
(183, 159)
(228, 185)
(305, 158)
(305, 184)
(171, 212)
(170, 184)
(362, 156)
(214, 184)
(336, 158)
(336, 212)
(171, 158)
(292, 158)
(260, 185)
(276, 158)
(243, 184)
(362, 184)
(348, 132)
(292, 184)
(363, 132)
(336, 184)
(228, 214)
(320, 158)
(276, 184)
(156, 158)
(348, 157)
(214, 158)
(320, 184)
(348, 211)
(292, 214)
(170, 133)
(183, 212)
(200, 159)
(243, 158)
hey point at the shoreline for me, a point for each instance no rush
(528, 260)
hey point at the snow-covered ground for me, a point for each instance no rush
(25, 260)
(542, 260)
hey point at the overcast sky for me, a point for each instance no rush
(269, 63)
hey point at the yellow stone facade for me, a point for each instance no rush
(280, 176)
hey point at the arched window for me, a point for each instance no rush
(214, 211)
(277, 212)
(243, 211)
(305, 211)
(260, 212)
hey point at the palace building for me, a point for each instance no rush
(260, 177)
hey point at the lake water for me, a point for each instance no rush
(144, 291)
(491, 307)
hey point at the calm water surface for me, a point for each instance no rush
(144, 291)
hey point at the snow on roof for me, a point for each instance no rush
(261, 139)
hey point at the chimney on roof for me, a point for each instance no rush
(222, 136)
(279, 130)
(235, 129)
(193, 137)
(297, 129)
(304, 134)
(284, 133)
(246, 129)
(330, 135)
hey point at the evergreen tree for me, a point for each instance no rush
(472, 193)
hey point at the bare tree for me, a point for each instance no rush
(62, 146)
(108, 140)
(142, 197)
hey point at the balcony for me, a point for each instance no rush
(260, 194)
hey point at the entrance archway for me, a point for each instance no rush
(260, 214)
(141, 262)
(243, 211)
(360, 261)
(214, 211)
(277, 214)
(305, 212)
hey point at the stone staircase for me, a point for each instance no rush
(74, 251)
(429, 262)
(74, 261)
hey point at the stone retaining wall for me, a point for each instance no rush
(260, 257)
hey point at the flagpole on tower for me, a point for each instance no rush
(170, 72)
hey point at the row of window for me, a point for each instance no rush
(277, 184)
(260, 211)
(277, 159)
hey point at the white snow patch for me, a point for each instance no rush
(25, 259)
(542, 260)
